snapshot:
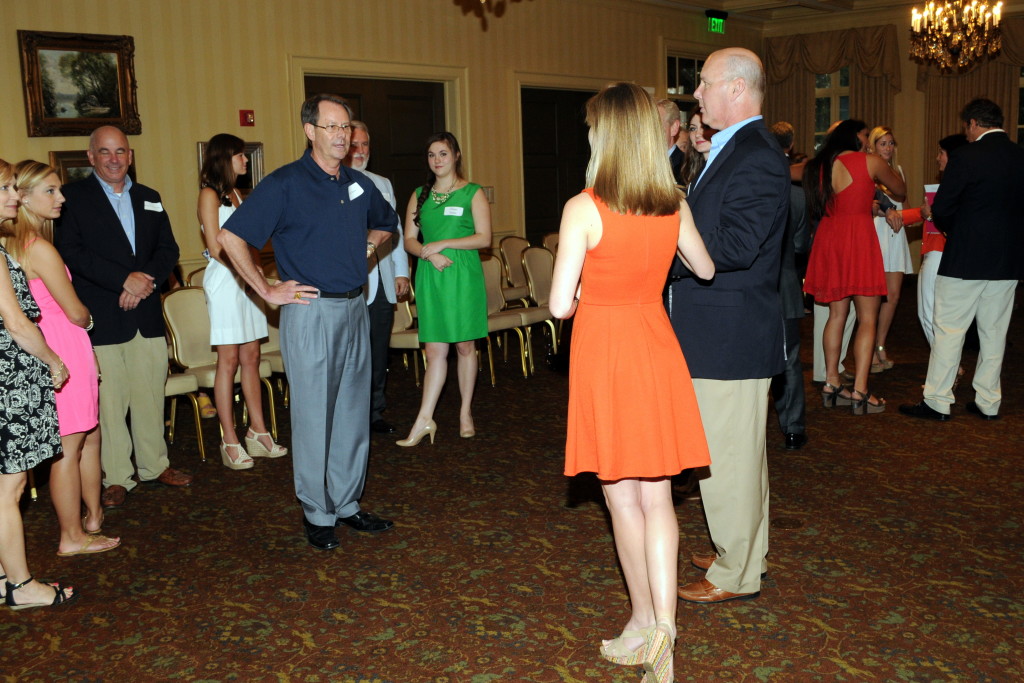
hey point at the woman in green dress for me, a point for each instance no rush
(455, 219)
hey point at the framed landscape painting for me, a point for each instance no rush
(76, 82)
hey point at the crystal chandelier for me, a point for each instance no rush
(955, 34)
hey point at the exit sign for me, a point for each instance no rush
(716, 25)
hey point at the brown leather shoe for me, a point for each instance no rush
(173, 477)
(703, 560)
(705, 592)
(113, 497)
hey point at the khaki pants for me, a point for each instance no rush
(133, 376)
(735, 496)
(957, 303)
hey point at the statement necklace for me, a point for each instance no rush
(441, 197)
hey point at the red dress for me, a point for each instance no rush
(845, 257)
(632, 410)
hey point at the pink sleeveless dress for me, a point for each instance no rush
(78, 400)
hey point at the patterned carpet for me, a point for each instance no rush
(896, 556)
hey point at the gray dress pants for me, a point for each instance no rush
(326, 350)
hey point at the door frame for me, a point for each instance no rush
(454, 80)
(530, 79)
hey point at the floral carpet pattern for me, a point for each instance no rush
(896, 555)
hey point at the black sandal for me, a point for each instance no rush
(60, 597)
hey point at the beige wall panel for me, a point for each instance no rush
(198, 62)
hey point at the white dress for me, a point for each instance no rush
(894, 245)
(236, 315)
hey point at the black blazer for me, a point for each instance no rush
(92, 243)
(978, 207)
(796, 240)
(731, 327)
(676, 160)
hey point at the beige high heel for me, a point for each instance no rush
(243, 462)
(616, 652)
(258, 450)
(428, 429)
(468, 433)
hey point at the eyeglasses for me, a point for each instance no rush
(334, 128)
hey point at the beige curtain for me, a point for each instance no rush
(792, 61)
(997, 79)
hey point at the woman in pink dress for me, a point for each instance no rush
(75, 476)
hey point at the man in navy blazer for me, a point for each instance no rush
(731, 328)
(977, 206)
(115, 237)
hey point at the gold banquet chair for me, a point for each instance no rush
(195, 278)
(405, 338)
(270, 350)
(511, 249)
(180, 384)
(550, 242)
(539, 266)
(498, 319)
(188, 323)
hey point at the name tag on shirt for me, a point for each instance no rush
(453, 211)
(354, 191)
(152, 206)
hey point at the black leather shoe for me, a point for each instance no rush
(366, 521)
(320, 537)
(382, 427)
(795, 442)
(923, 411)
(973, 409)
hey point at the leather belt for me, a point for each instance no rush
(358, 291)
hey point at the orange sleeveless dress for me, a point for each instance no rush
(632, 410)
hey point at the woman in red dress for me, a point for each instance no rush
(846, 262)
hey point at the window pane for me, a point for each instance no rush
(823, 81)
(844, 77)
(822, 113)
(844, 107)
(687, 78)
(672, 80)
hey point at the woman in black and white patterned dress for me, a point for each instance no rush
(29, 373)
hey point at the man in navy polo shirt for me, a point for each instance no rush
(325, 221)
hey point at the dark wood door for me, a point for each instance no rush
(401, 115)
(555, 155)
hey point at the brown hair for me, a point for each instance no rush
(218, 174)
(628, 167)
(453, 144)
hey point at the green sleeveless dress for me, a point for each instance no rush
(451, 304)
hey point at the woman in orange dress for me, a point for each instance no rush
(633, 416)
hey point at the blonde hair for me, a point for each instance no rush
(629, 169)
(6, 178)
(28, 225)
(876, 134)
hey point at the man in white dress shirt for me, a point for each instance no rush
(388, 282)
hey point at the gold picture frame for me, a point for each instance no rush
(76, 82)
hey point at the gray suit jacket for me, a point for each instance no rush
(391, 255)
